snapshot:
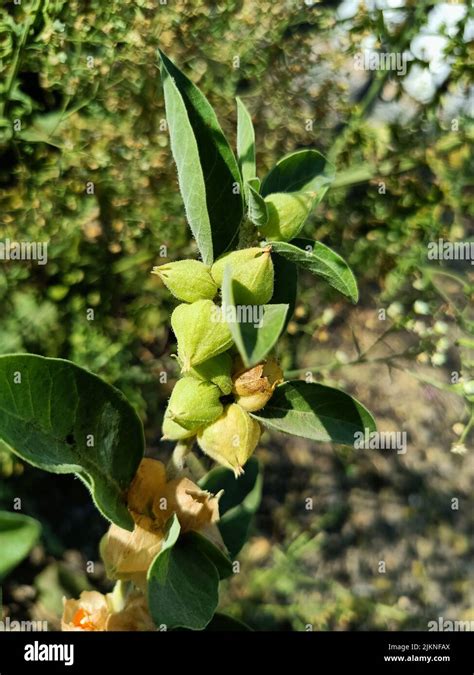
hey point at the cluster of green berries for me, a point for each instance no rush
(215, 394)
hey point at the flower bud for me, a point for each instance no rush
(231, 439)
(287, 213)
(194, 403)
(252, 273)
(254, 387)
(187, 280)
(200, 331)
(216, 370)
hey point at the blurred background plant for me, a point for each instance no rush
(86, 166)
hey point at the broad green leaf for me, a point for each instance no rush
(255, 329)
(239, 502)
(182, 584)
(257, 208)
(245, 142)
(221, 561)
(64, 419)
(301, 171)
(285, 285)
(208, 173)
(224, 623)
(317, 412)
(322, 261)
(18, 535)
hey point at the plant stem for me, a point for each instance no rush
(247, 235)
(335, 365)
(468, 427)
(176, 465)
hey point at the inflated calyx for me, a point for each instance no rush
(200, 331)
(287, 213)
(252, 274)
(231, 439)
(216, 370)
(187, 280)
(193, 403)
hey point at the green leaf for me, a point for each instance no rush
(245, 143)
(322, 261)
(317, 412)
(226, 624)
(220, 560)
(257, 208)
(239, 502)
(255, 333)
(18, 535)
(208, 172)
(51, 411)
(285, 286)
(182, 584)
(301, 171)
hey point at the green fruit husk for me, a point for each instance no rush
(287, 213)
(187, 280)
(216, 370)
(194, 403)
(231, 439)
(252, 274)
(200, 331)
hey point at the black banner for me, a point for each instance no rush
(80, 652)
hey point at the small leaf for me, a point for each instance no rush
(239, 502)
(18, 535)
(301, 171)
(254, 332)
(182, 584)
(63, 419)
(322, 261)
(245, 142)
(257, 208)
(317, 412)
(208, 173)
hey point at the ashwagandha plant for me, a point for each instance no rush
(175, 530)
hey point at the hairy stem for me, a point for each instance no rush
(176, 465)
